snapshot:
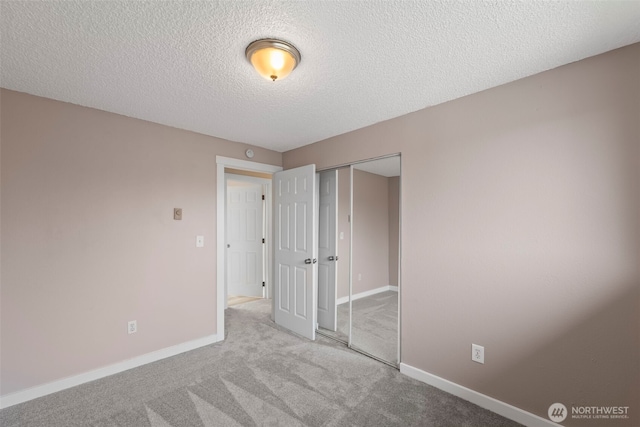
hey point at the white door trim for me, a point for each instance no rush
(349, 340)
(399, 287)
(221, 163)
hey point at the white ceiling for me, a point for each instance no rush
(182, 63)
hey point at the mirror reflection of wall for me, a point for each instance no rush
(376, 197)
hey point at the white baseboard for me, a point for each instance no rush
(367, 293)
(484, 401)
(58, 385)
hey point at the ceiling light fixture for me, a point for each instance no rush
(273, 59)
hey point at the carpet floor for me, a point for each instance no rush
(260, 375)
(375, 325)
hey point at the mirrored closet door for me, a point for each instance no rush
(375, 242)
(359, 256)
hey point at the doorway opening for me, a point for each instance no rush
(240, 168)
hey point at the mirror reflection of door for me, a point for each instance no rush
(376, 209)
(334, 241)
(327, 249)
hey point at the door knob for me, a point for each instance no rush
(333, 258)
(307, 261)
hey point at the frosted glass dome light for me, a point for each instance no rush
(273, 59)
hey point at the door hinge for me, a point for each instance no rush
(263, 197)
(263, 284)
(263, 241)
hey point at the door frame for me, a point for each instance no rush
(221, 207)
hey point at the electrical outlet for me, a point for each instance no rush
(477, 353)
(359, 277)
(132, 327)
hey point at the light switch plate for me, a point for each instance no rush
(177, 214)
(199, 241)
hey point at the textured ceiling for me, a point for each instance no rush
(182, 63)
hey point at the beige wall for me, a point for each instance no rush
(521, 233)
(394, 228)
(370, 231)
(372, 222)
(89, 241)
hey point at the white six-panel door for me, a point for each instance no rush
(244, 239)
(328, 250)
(295, 269)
